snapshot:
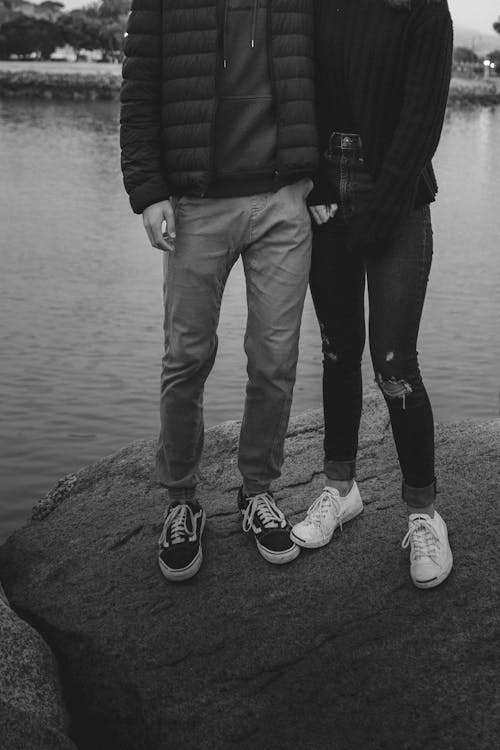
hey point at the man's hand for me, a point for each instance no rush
(322, 214)
(153, 218)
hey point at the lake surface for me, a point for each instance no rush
(81, 308)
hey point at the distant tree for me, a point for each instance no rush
(494, 57)
(51, 5)
(5, 12)
(464, 55)
(4, 47)
(20, 36)
(99, 25)
(111, 38)
(496, 25)
(115, 9)
(114, 17)
(80, 30)
(49, 38)
(48, 9)
(51, 9)
(25, 36)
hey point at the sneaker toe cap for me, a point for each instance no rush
(425, 572)
(306, 532)
(178, 556)
(302, 531)
(277, 541)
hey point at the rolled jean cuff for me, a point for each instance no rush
(341, 470)
(419, 497)
(251, 489)
(181, 493)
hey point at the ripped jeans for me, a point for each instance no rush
(397, 281)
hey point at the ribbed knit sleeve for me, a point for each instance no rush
(418, 130)
(140, 114)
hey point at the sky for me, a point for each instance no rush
(476, 14)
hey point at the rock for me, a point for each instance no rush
(336, 650)
(32, 715)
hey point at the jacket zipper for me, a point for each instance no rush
(211, 158)
(274, 89)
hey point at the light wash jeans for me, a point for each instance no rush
(272, 233)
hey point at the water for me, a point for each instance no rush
(80, 298)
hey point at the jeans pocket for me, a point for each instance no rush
(174, 202)
(177, 201)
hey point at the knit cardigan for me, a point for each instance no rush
(389, 69)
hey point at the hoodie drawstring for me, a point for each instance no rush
(254, 22)
(224, 28)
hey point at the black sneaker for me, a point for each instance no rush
(180, 554)
(269, 527)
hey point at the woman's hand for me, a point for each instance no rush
(322, 214)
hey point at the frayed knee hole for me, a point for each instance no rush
(394, 389)
(330, 356)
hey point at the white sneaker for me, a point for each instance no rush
(327, 512)
(431, 559)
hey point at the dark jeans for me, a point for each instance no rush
(397, 280)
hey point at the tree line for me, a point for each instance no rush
(28, 30)
(465, 56)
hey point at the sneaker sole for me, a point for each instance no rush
(278, 558)
(324, 542)
(184, 574)
(436, 581)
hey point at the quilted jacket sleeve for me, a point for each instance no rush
(140, 114)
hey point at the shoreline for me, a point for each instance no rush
(59, 81)
(63, 81)
(465, 92)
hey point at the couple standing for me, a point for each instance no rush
(226, 106)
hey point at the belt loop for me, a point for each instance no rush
(332, 135)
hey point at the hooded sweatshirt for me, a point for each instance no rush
(245, 124)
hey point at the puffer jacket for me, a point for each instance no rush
(169, 98)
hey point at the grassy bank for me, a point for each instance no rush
(68, 81)
(467, 93)
(87, 81)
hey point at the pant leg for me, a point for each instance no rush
(337, 287)
(209, 236)
(397, 283)
(276, 263)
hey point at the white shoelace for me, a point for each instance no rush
(320, 508)
(176, 520)
(267, 512)
(423, 538)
